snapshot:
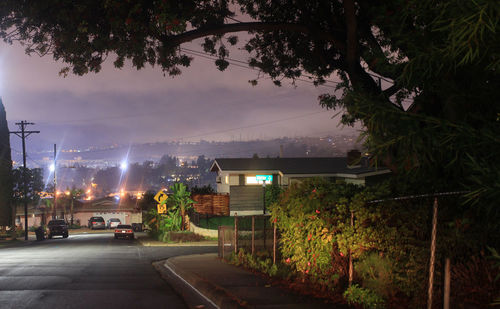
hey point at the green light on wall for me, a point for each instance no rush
(266, 178)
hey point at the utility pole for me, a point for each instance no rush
(23, 134)
(54, 212)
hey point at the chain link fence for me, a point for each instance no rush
(255, 234)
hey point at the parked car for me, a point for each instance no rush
(112, 223)
(97, 223)
(137, 227)
(125, 231)
(57, 227)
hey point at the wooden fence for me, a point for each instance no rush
(211, 204)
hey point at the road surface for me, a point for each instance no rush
(87, 271)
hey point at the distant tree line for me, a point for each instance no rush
(146, 175)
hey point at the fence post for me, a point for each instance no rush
(223, 240)
(433, 253)
(265, 247)
(351, 268)
(235, 234)
(253, 235)
(274, 243)
(446, 301)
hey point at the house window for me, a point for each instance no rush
(227, 179)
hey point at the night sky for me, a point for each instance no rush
(129, 106)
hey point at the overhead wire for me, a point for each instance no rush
(237, 64)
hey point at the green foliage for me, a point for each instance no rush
(309, 217)
(161, 224)
(147, 202)
(180, 201)
(207, 189)
(356, 295)
(263, 264)
(35, 184)
(496, 258)
(213, 223)
(273, 193)
(440, 58)
(5, 170)
(376, 272)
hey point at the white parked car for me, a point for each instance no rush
(112, 223)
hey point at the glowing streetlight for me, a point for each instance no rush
(52, 167)
(124, 165)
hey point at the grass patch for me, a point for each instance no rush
(180, 237)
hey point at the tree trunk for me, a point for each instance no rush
(183, 213)
(71, 211)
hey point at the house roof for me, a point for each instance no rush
(332, 165)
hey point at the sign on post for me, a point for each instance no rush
(162, 208)
(161, 197)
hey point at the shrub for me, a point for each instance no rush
(356, 295)
(376, 272)
(263, 264)
(308, 217)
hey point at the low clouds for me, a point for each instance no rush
(130, 106)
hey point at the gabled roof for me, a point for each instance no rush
(318, 166)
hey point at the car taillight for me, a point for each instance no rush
(129, 231)
(94, 222)
(117, 231)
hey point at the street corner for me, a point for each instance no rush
(182, 277)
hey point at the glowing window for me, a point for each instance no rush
(253, 180)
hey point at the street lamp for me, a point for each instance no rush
(124, 165)
(264, 196)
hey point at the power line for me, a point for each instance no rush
(245, 65)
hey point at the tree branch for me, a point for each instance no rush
(191, 35)
(352, 56)
(389, 92)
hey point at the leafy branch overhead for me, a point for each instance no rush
(411, 70)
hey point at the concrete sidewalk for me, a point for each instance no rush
(228, 286)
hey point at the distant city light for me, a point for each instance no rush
(124, 165)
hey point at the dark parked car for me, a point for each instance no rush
(124, 230)
(57, 227)
(97, 223)
(137, 227)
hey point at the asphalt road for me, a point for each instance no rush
(87, 271)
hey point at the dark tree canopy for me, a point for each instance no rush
(5, 170)
(434, 115)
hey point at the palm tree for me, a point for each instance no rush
(182, 199)
(48, 205)
(72, 195)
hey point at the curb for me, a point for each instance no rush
(154, 243)
(216, 295)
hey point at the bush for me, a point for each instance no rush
(376, 272)
(356, 295)
(308, 220)
(263, 264)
